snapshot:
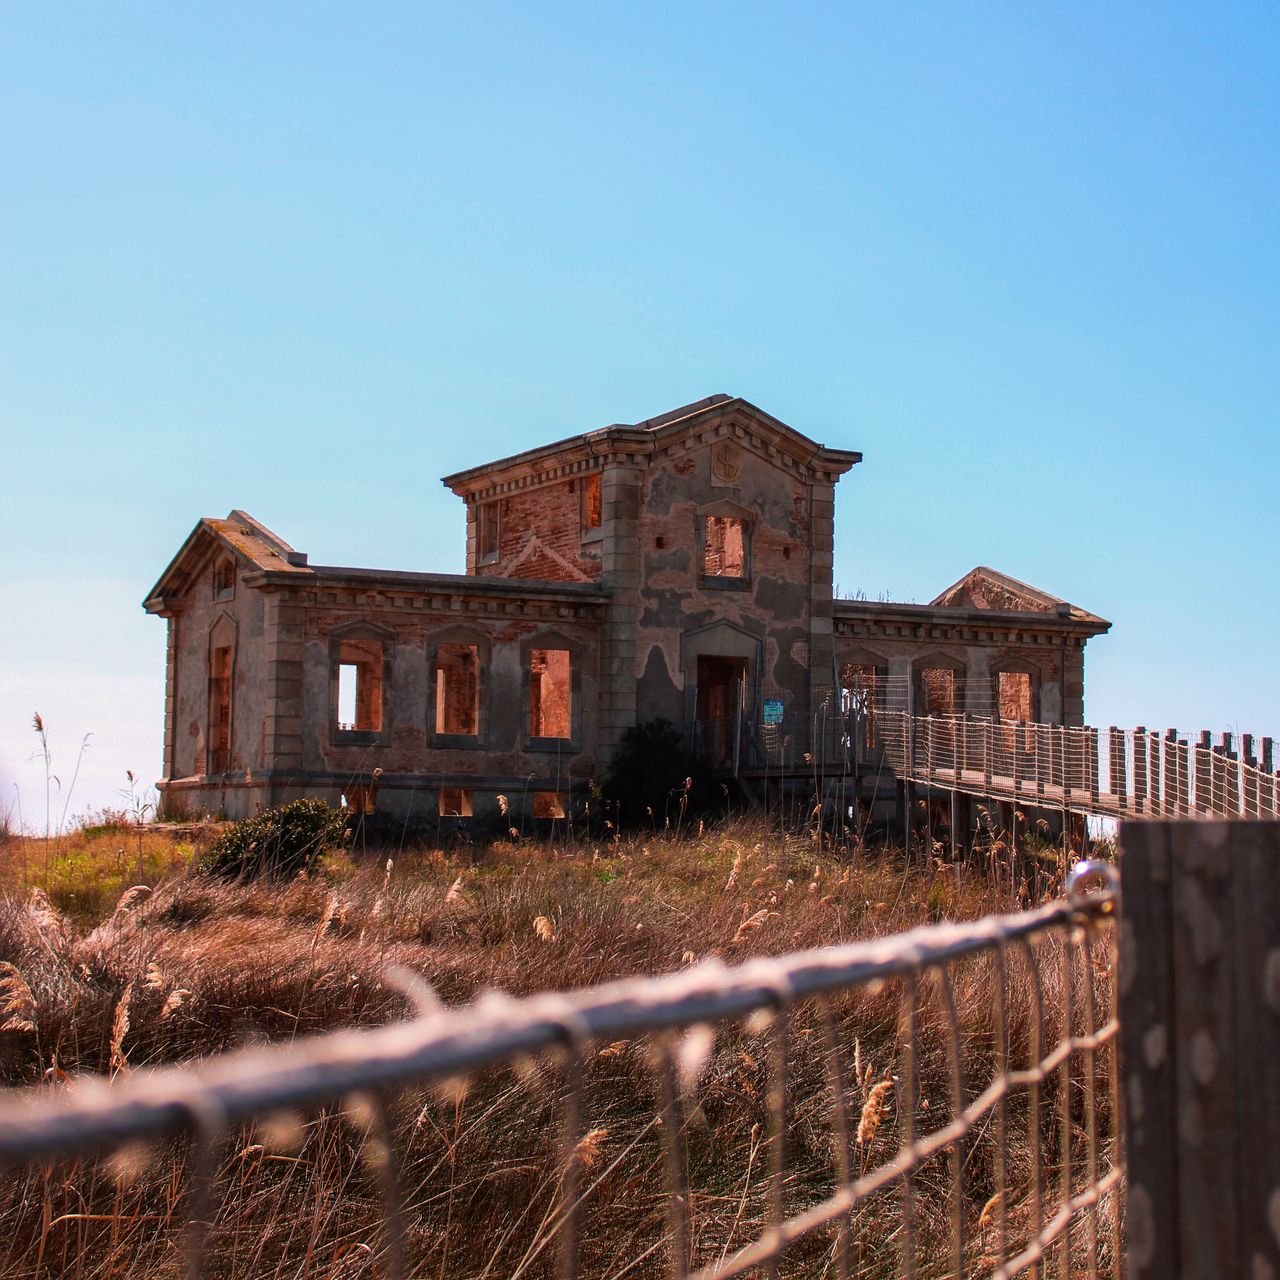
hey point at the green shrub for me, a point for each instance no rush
(278, 843)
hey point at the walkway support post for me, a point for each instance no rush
(1200, 1039)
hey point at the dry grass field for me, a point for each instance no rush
(100, 977)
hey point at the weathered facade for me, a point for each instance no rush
(677, 568)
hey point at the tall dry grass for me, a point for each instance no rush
(196, 966)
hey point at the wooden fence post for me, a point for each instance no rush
(1153, 768)
(1117, 784)
(1200, 1044)
(1230, 776)
(1249, 775)
(1139, 769)
(1204, 774)
(1172, 798)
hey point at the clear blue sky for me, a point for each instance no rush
(306, 259)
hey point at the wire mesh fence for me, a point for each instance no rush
(936, 1103)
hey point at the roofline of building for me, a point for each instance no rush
(408, 579)
(1069, 619)
(645, 437)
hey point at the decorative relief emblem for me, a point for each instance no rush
(726, 470)
(685, 467)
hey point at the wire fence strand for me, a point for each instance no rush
(993, 1099)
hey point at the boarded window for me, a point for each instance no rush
(937, 692)
(360, 686)
(458, 689)
(1014, 691)
(220, 710)
(455, 802)
(487, 531)
(550, 694)
(224, 579)
(548, 804)
(725, 551)
(591, 503)
(1014, 696)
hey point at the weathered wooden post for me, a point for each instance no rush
(1200, 1042)
(1091, 764)
(1204, 774)
(1230, 777)
(1172, 798)
(1117, 784)
(1249, 775)
(1140, 769)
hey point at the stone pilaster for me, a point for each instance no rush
(621, 494)
(821, 567)
(282, 712)
(170, 693)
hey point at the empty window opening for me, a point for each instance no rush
(548, 804)
(724, 555)
(591, 511)
(361, 797)
(458, 689)
(550, 694)
(487, 531)
(360, 686)
(786, 552)
(660, 543)
(455, 802)
(938, 692)
(224, 579)
(858, 680)
(220, 710)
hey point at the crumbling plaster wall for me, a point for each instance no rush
(773, 607)
(501, 759)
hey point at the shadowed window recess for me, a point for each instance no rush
(458, 689)
(548, 804)
(455, 802)
(487, 531)
(550, 694)
(220, 710)
(224, 578)
(937, 692)
(591, 505)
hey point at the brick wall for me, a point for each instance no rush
(540, 536)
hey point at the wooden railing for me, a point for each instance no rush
(1121, 773)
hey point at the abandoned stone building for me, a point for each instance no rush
(677, 568)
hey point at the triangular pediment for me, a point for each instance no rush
(249, 542)
(986, 588)
(731, 420)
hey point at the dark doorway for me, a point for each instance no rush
(722, 687)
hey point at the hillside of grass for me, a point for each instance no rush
(109, 973)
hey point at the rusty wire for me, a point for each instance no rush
(1054, 1221)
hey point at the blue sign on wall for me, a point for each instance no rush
(772, 711)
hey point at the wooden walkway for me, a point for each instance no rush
(1113, 773)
